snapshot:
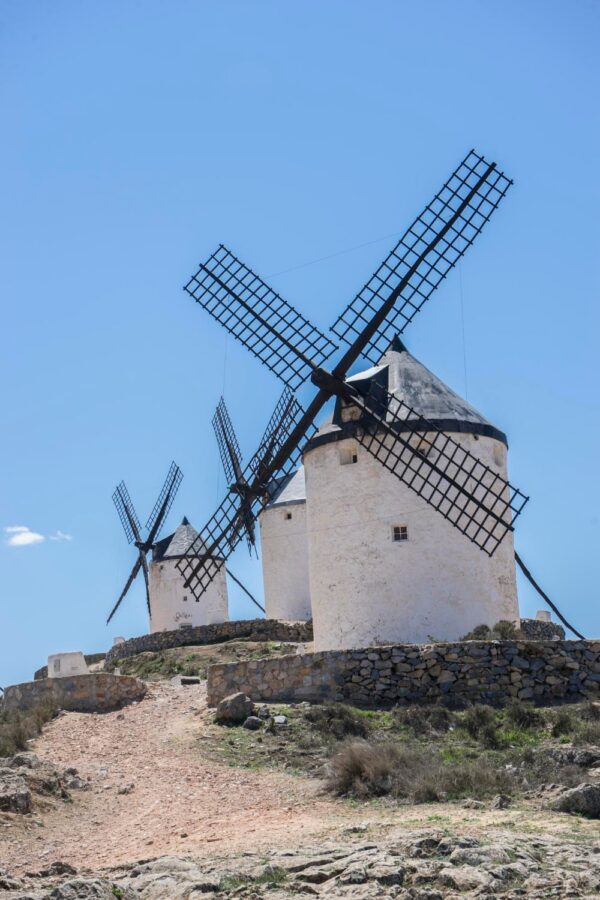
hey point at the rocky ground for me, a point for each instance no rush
(158, 801)
(360, 862)
(25, 781)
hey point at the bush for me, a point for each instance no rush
(563, 724)
(522, 715)
(480, 723)
(589, 733)
(362, 769)
(18, 727)
(501, 631)
(424, 720)
(337, 720)
(479, 633)
(590, 711)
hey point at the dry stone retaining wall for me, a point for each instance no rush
(98, 692)
(256, 629)
(478, 671)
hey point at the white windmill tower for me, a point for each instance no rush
(171, 605)
(385, 566)
(284, 545)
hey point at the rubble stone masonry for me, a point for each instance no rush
(96, 692)
(254, 629)
(547, 671)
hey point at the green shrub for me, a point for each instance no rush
(480, 723)
(564, 724)
(588, 733)
(522, 715)
(501, 631)
(590, 711)
(479, 633)
(423, 720)
(337, 720)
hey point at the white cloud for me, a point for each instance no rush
(61, 536)
(22, 536)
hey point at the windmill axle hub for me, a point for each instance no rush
(331, 385)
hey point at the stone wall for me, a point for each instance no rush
(256, 629)
(478, 671)
(98, 692)
(90, 659)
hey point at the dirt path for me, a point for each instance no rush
(179, 803)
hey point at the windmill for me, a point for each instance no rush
(466, 492)
(284, 416)
(133, 529)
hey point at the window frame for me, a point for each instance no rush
(399, 534)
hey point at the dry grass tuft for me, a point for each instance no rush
(361, 769)
(17, 727)
(337, 720)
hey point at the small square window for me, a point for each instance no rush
(400, 532)
(184, 599)
(288, 515)
(348, 456)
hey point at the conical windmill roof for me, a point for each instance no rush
(176, 545)
(289, 490)
(406, 378)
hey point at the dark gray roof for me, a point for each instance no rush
(420, 389)
(409, 380)
(288, 491)
(176, 545)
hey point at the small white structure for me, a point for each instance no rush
(284, 546)
(63, 665)
(172, 605)
(385, 566)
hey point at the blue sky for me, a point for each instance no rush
(139, 135)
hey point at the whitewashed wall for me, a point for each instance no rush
(365, 588)
(169, 608)
(63, 665)
(284, 551)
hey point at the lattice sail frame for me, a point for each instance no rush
(127, 514)
(227, 442)
(281, 337)
(473, 497)
(436, 264)
(286, 416)
(168, 490)
(229, 524)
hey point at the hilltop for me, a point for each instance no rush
(247, 812)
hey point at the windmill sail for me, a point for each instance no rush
(229, 448)
(133, 529)
(281, 337)
(165, 500)
(427, 251)
(455, 484)
(127, 514)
